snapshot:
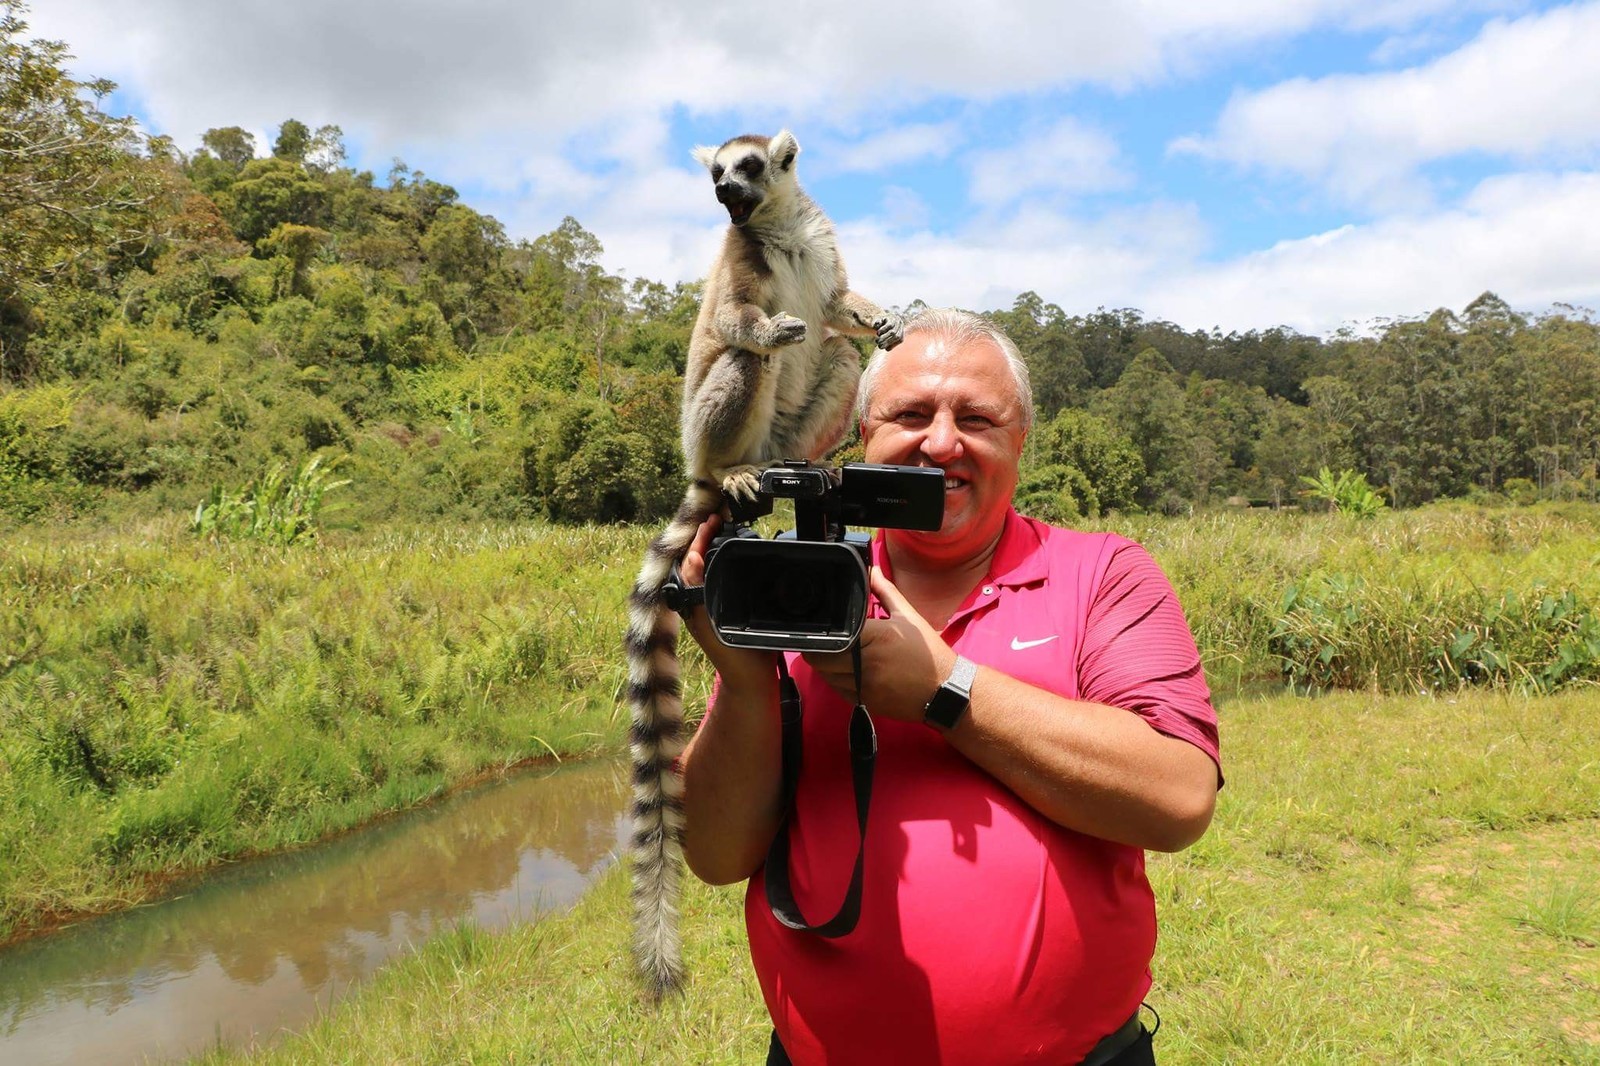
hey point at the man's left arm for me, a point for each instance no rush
(1093, 768)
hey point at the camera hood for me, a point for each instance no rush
(786, 595)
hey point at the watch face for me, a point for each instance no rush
(946, 707)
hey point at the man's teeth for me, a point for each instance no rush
(952, 483)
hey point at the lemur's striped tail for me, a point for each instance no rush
(657, 740)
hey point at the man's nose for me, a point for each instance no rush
(943, 439)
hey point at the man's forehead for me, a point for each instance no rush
(918, 366)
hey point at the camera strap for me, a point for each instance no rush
(863, 760)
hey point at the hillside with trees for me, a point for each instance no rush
(178, 318)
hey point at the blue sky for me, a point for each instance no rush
(1238, 164)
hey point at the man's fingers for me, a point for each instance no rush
(693, 567)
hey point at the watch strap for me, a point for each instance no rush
(950, 700)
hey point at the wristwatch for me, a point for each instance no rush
(950, 701)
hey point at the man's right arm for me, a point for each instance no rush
(732, 767)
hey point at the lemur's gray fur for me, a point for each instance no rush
(769, 377)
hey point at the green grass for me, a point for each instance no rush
(1388, 602)
(169, 701)
(1388, 879)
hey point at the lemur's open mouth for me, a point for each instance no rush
(739, 214)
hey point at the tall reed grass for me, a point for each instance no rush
(1402, 601)
(167, 702)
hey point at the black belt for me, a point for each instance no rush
(1115, 1044)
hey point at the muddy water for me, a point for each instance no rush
(258, 949)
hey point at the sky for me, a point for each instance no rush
(1230, 165)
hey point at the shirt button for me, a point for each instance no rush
(988, 590)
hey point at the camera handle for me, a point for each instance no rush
(863, 761)
(680, 597)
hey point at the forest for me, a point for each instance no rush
(178, 321)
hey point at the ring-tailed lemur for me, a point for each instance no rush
(769, 377)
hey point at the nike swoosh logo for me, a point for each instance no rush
(1024, 645)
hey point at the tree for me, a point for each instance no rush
(1489, 372)
(1043, 335)
(294, 140)
(1559, 386)
(233, 145)
(1082, 457)
(1417, 409)
(1148, 404)
(326, 150)
(566, 282)
(72, 185)
(1285, 448)
(462, 245)
(297, 245)
(269, 192)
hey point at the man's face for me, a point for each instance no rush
(956, 409)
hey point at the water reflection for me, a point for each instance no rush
(261, 946)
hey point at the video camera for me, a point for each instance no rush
(806, 590)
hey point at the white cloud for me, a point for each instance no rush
(1532, 238)
(904, 209)
(1256, 19)
(892, 149)
(1069, 158)
(1080, 264)
(1520, 89)
(412, 72)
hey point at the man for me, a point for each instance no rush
(1005, 915)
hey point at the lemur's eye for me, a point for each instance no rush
(716, 172)
(750, 168)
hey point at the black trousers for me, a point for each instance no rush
(1139, 1053)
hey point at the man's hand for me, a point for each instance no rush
(903, 659)
(733, 664)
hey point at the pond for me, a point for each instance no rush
(262, 946)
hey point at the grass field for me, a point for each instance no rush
(167, 701)
(1388, 879)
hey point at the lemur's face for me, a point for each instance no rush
(745, 174)
(740, 173)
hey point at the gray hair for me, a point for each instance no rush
(957, 329)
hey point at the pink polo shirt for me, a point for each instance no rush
(987, 933)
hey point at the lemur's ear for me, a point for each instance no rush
(782, 150)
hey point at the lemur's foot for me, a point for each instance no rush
(742, 482)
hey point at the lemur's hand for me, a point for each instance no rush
(786, 329)
(891, 330)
